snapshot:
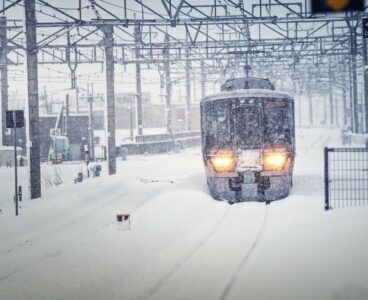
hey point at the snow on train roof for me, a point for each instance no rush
(247, 93)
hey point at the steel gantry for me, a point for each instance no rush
(186, 40)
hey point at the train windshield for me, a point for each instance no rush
(248, 127)
(278, 123)
(250, 123)
(217, 121)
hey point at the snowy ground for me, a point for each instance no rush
(182, 244)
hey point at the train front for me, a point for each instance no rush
(248, 143)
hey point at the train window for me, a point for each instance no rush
(248, 127)
(216, 121)
(278, 123)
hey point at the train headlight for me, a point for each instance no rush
(223, 161)
(274, 161)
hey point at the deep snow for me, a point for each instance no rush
(182, 244)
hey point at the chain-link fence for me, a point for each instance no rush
(346, 177)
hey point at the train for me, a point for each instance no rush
(248, 141)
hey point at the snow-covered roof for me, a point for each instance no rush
(247, 93)
(9, 148)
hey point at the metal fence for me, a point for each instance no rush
(161, 143)
(346, 177)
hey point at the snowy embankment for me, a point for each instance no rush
(181, 244)
(360, 139)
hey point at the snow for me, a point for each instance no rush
(359, 139)
(182, 244)
(308, 254)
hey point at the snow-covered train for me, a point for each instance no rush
(248, 141)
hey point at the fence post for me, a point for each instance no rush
(327, 200)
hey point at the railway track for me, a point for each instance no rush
(217, 259)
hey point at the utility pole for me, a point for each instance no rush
(351, 100)
(194, 85)
(46, 100)
(138, 80)
(365, 58)
(4, 78)
(73, 67)
(33, 130)
(110, 97)
(337, 120)
(77, 97)
(90, 98)
(15, 162)
(188, 91)
(330, 95)
(294, 94)
(131, 124)
(67, 109)
(168, 85)
(310, 100)
(203, 80)
(336, 102)
(300, 109)
(325, 109)
(353, 60)
(90, 122)
(344, 99)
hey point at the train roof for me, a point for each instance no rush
(247, 93)
(247, 83)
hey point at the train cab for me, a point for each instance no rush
(248, 141)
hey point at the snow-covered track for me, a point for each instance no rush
(246, 257)
(197, 247)
(210, 270)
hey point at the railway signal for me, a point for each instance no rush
(328, 6)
